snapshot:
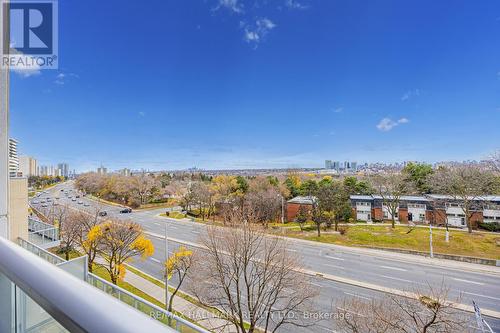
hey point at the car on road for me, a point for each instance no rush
(103, 213)
(78, 196)
(126, 210)
(86, 204)
(43, 201)
(74, 199)
(80, 202)
(44, 205)
(49, 199)
(36, 202)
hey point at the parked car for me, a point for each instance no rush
(44, 205)
(80, 202)
(43, 201)
(78, 196)
(74, 199)
(86, 204)
(126, 210)
(103, 213)
(35, 202)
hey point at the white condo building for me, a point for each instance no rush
(13, 158)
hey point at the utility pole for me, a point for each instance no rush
(430, 240)
(4, 123)
(282, 209)
(166, 267)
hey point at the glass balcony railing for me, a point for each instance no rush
(78, 268)
(42, 234)
(40, 296)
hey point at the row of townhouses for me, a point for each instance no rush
(435, 208)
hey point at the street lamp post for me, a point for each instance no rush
(166, 266)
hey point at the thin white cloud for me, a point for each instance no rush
(257, 32)
(62, 78)
(294, 4)
(387, 124)
(338, 110)
(410, 94)
(231, 5)
(142, 113)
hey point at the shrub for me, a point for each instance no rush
(493, 226)
(343, 229)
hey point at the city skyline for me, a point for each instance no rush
(360, 78)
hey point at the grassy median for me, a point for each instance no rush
(478, 244)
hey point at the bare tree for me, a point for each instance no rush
(467, 185)
(391, 187)
(251, 278)
(419, 312)
(69, 231)
(495, 161)
(142, 186)
(265, 205)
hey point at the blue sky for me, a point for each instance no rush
(170, 84)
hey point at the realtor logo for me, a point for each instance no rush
(32, 27)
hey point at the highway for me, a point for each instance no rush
(401, 272)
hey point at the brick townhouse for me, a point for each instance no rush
(423, 209)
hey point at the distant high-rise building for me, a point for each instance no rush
(124, 172)
(28, 166)
(63, 169)
(336, 166)
(102, 170)
(328, 164)
(13, 158)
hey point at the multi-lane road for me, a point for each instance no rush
(342, 272)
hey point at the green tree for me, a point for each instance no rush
(419, 174)
(309, 187)
(355, 186)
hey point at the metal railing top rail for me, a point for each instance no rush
(76, 305)
(154, 307)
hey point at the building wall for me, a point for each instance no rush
(18, 208)
(292, 209)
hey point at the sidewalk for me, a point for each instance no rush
(198, 314)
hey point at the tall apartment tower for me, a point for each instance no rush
(63, 169)
(13, 158)
(102, 170)
(28, 166)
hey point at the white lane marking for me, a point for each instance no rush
(334, 266)
(356, 313)
(326, 329)
(332, 257)
(291, 250)
(395, 268)
(316, 284)
(356, 295)
(195, 231)
(155, 260)
(394, 278)
(479, 295)
(468, 281)
(156, 223)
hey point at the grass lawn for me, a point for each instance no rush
(174, 215)
(482, 245)
(101, 272)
